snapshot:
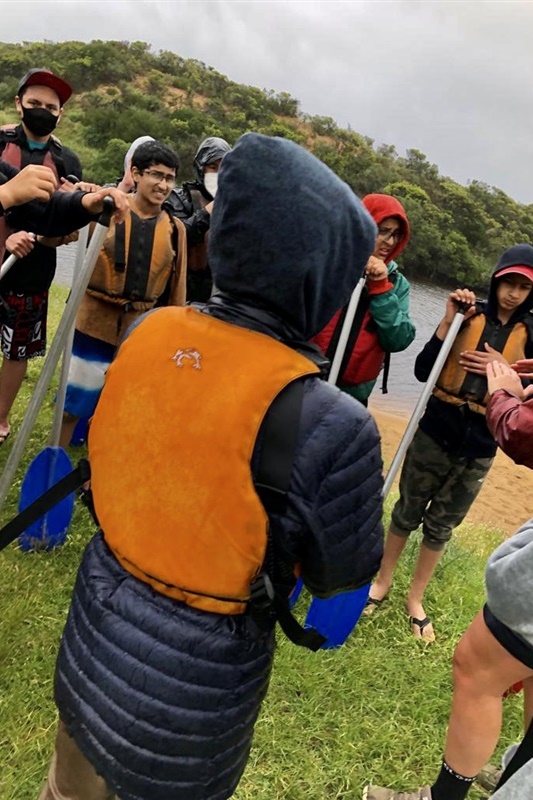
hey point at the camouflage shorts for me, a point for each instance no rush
(436, 490)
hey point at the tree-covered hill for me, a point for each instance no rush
(123, 90)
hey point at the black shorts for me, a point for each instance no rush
(510, 641)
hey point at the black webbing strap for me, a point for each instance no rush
(272, 478)
(521, 757)
(280, 435)
(45, 502)
(362, 308)
(386, 370)
(120, 247)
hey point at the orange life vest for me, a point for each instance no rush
(452, 383)
(170, 447)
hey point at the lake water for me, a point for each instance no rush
(427, 308)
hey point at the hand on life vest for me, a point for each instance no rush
(502, 376)
(20, 243)
(93, 202)
(376, 269)
(34, 182)
(477, 361)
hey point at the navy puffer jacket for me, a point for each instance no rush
(160, 697)
(163, 698)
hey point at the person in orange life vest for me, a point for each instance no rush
(382, 324)
(142, 263)
(163, 605)
(24, 290)
(453, 449)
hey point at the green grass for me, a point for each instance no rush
(374, 710)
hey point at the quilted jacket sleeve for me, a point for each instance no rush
(333, 527)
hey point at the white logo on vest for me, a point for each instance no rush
(188, 354)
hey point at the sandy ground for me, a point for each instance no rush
(506, 499)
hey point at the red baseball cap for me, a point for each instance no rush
(519, 269)
(45, 77)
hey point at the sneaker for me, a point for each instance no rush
(380, 793)
(489, 777)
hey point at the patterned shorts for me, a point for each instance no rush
(23, 325)
(437, 489)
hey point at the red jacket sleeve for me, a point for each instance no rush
(511, 423)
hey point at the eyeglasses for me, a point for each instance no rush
(157, 176)
(387, 234)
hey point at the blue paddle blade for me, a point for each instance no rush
(295, 594)
(50, 530)
(336, 617)
(79, 436)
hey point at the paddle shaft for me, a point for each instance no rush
(67, 352)
(424, 397)
(345, 331)
(63, 329)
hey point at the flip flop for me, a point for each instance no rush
(371, 605)
(421, 624)
(4, 437)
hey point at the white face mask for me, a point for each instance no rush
(211, 182)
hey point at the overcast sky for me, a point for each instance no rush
(453, 78)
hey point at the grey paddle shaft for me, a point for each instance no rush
(424, 397)
(56, 348)
(67, 351)
(6, 266)
(8, 263)
(345, 332)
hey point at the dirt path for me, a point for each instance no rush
(506, 499)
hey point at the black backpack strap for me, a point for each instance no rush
(361, 310)
(120, 247)
(280, 436)
(386, 370)
(72, 481)
(272, 479)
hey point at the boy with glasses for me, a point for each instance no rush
(142, 264)
(382, 324)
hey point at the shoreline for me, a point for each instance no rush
(506, 500)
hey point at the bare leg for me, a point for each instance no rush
(11, 376)
(394, 547)
(425, 567)
(67, 429)
(482, 671)
(71, 776)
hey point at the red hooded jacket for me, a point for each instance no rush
(367, 353)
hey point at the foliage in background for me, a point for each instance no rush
(123, 90)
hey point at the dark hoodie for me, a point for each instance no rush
(382, 323)
(167, 698)
(458, 429)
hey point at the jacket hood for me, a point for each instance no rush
(287, 235)
(517, 255)
(381, 206)
(211, 149)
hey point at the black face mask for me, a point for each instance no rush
(39, 121)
